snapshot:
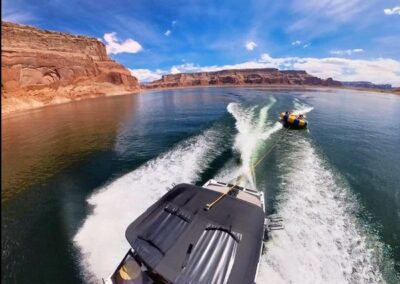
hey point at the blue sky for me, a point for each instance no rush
(345, 39)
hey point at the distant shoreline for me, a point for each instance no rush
(291, 87)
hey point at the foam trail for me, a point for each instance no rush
(264, 114)
(101, 239)
(253, 130)
(229, 172)
(301, 108)
(274, 128)
(322, 241)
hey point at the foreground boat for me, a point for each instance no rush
(181, 240)
(292, 120)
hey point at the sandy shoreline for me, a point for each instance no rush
(29, 104)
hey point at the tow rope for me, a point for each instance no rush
(240, 177)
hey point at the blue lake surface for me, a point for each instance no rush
(75, 175)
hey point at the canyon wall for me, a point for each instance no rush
(264, 76)
(40, 67)
(366, 85)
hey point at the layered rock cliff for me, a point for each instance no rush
(367, 85)
(40, 67)
(264, 76)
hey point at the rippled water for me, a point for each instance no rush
(75, 175)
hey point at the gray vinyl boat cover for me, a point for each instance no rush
(182, 243)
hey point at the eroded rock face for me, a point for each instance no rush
(367, 85)
(264, 76)
(41, 67)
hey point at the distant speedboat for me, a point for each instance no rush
(181, 240)
(293, 121)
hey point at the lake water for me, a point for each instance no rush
(75, 175)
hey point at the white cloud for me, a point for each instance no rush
(167, 33)
(347, 51)
(146, 75)
(114, 46)
(316, 17)
(393, 11)
(187, 68)
(343, 69)
(299, 42)
(17, 17)
(250, 45)
(353, 70)
(176, 70)
(190, 67)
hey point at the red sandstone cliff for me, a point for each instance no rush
(396, 91)
(41, 67)
(264, 76)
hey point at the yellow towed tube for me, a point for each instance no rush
(292, 120)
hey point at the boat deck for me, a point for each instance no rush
(181, 242)
(242, 194)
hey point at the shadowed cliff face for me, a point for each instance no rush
(41, 67)
(264, 76)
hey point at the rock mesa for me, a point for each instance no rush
(263, 76)
(40, 67)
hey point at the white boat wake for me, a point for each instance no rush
(253, 130)
(321, 242)
(101, 239)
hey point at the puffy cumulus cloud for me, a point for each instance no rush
(250, 45)
(393, 11)
(347, 51)
(296, 42)
(190, 67)
(342, 69)
(114, 46)
(167, 33)
(146, 75)
(379, 70)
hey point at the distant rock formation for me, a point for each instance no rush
(263, 76)
(367, 85)
(40, 67)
